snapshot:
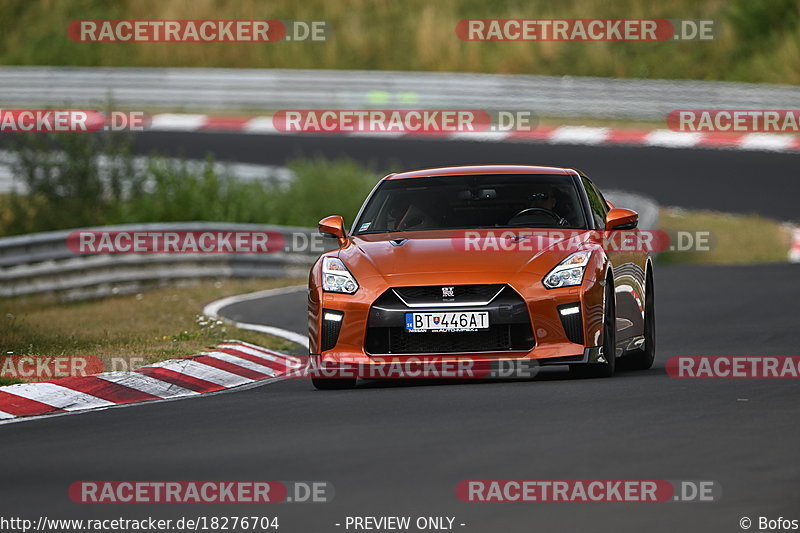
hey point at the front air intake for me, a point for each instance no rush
(331, 325)
(572, 320)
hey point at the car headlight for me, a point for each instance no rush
(336, 277)
(568, 272)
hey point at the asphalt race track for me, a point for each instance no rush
(400, 448)
(735, 181)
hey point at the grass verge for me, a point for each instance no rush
(735, 239)
(149, 327)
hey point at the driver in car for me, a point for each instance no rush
(541, 207)
(543, 198)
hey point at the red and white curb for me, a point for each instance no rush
(584, 135)
(230, 364)
(794, 251)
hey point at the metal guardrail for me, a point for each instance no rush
(42, 262)
(271, 89)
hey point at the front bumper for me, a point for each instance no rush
(535, 327)
(435, 367)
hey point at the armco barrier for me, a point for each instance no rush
(272, 89)
(42, 262)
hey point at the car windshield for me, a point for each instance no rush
(473, 201)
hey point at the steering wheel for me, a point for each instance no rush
(552, 214)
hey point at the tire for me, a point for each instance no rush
(644, 358)
(333, 383)
(604, 370)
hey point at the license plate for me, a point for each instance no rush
(441, 322)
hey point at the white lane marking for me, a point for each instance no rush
(202, 371)
(672, 139)
(147, 384)
(296, 338)
(5, 416)
(212, 310)
(578, 135)
(244, 363)
(766, 141)
(56, 396)
(177, 121)
(480, 135)
(261, 125)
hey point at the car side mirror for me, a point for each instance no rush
(333, 226)
(619, 218)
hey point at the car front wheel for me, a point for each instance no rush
(606, 368)
(643, 359)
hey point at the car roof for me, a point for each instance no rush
(479, 169)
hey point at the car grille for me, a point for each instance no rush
(495, 339)
(461, 293)
(510, 328)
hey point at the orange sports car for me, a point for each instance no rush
(501, 263)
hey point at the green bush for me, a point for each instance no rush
(759, 23)
(84, 180)
(323, 188)
(70, 181)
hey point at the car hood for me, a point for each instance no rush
(425, 252)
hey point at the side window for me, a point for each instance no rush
(596, 203)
